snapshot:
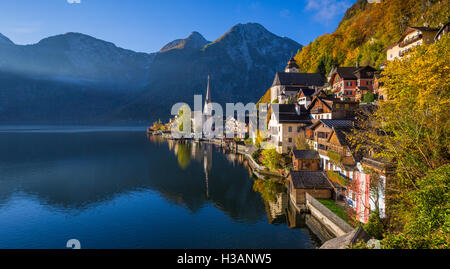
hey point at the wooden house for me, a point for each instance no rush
(305, 160)
(315, 183)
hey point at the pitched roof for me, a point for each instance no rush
(298, 79)
(337, 123)
(290, 113)
(307, 91)
(310, 180)
(346, 72)
(306, 154)
(292, 63)
(347, 240)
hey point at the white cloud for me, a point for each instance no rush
(327, 10)
(74, 1)
(285, 13)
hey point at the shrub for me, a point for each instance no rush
(368, 97)
(337, 178)
(375, 227)
(334, 156)
(271, 159)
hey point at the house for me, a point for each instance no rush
(306, 94)
(287, 121)
(367, 191)
(360, 92)
(329, 138)
(344, 80)
(379, 89)
(411, 37)
(305, 160)
(443, 31)
(332, 108)
(286, 85)
(240, 129)
(314, 183)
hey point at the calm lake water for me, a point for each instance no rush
(112, 188)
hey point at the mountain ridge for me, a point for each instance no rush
(241, 63)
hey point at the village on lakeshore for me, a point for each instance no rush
(308, 143)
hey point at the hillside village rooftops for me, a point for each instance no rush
(310, 180)
(306, 154)
(298, 79)
(353, 73)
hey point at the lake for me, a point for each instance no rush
(116, 188)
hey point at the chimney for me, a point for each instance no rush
(357, 64)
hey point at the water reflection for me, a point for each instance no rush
(127, 184)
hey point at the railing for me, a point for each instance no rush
(408, 41)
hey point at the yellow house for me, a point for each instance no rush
(412, 37)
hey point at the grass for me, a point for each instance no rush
(330, 204)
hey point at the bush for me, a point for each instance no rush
(337, 178)
(375, 227)
(368, 97)
(335, 157)
(271, 159)
(255, 156)
(248, 141)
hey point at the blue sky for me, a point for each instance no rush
(147, 25)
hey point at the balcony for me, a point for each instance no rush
(409, 41)
(317, 111)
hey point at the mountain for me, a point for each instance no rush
(367, 29)
(242, 64)
(78, 78)
(5, 41)
(192, 42)
(80, 57)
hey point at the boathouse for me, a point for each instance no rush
(315, 183)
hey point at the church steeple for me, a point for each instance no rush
(207, 109)
(292, 66)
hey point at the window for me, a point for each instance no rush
(290, 140)
(290, 129)
(299, 129)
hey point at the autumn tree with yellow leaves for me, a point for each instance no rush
(411, 131)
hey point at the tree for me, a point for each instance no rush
(271, 159)
(411, 131)
(301, 143)
(368, 97)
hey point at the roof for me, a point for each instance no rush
(353, 73)
(337, 123)
(307, 91)
(310, 180)
(410, 30)
(292, 88)
(290, 113)
(347, 240)
(306, 154)
(298, 79)
(292, 63)
(442, 29)
(341, 134)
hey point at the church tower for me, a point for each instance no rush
(207, 109)
(292, 66)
